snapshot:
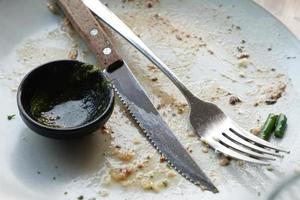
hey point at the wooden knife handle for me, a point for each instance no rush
(90, 30)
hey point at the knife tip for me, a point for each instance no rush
(212, 189)
(209, 187)
(215, 190)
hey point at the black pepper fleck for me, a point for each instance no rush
(270, 102)
(233, 100)
(10, 117)
(80, 197)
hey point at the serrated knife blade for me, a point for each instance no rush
(133, 95)
(155, 128)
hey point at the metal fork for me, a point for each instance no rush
(209, 122)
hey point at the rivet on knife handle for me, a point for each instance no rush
(90, 31)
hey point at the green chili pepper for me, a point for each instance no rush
(280, 126)
(268, 127)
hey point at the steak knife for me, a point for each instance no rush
(133, 95)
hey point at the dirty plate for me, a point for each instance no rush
(201, 41)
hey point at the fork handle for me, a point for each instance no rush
(90, 30)
(120, 27)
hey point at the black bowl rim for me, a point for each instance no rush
(22, 110)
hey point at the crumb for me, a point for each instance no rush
(103, 193)
(162, 159)
(124, 155)
(255, 131)
(178, 37)
(256, 104)
(140, 166)
(243, 55)
(164, 183)
(291, 57)
(270, 101)
(154, 79)
(242, 75)
(210, 52)
(120, 174)
(149, 4)
(241, 162)
(276, 92)
(10, 117)
(65, 193)
(152, 68)
(269, 168)
(106, 130)
(224, 161)
(148, 185)
(38, 172)
(240, 48)
(243, 62)
(181, 107)
(73, 54)
(243, 41)
(136, 141)
(171, 173)
(180, 111)
(269, 49)
(157, 15)
(234, 100)
(202, 45)
(54, 178)
(205, 149)
(80, 197)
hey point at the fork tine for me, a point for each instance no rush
(227, 151)
(240, 140)
(243, 149)
(256, 139)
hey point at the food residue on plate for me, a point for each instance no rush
(224, 160)
(127, 166)
(274, 92)
(139, 172)
(123, 154)
(255, 131)
(234, 100)
(10, 117)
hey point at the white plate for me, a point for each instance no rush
(30, 35)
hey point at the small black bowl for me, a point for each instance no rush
(65, 99)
